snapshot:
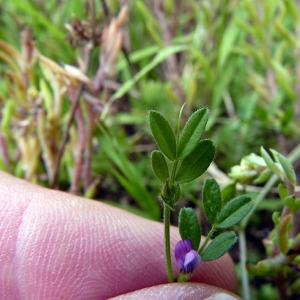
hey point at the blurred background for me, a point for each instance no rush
(78, 77)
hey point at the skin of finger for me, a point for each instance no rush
(180, 291)
(55, 245)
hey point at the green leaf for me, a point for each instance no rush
(269, 161)
(189, 226)
(159, 165)
(192, 132)
(196, 163)
(163, 134)
(219, 246)
(271, 164)
(161, 55)
(128, 174)
(228, 192)
(6, 116)
(227, 43)
(284, 78)
(292, 203)
(234, 211)
(263, 176)
(283, 191)
(212, 200)
(40, 19)
(283, 229)
(286, 165)
(292, 10)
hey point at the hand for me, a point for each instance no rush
(54, 245)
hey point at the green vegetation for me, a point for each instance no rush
(77, 81)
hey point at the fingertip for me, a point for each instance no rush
(174, 291)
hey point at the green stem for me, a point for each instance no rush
(243, 260)
(172, 178)
(242, 238)
(207, 239)
(167, 242)
(270, 183)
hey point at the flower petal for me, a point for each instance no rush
(191, 262)
(181, 249)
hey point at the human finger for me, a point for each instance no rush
(53, 245)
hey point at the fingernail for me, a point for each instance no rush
(221, 296)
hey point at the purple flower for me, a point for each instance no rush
(187, 258)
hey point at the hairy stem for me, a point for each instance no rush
(207, 239)
(167, 242)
